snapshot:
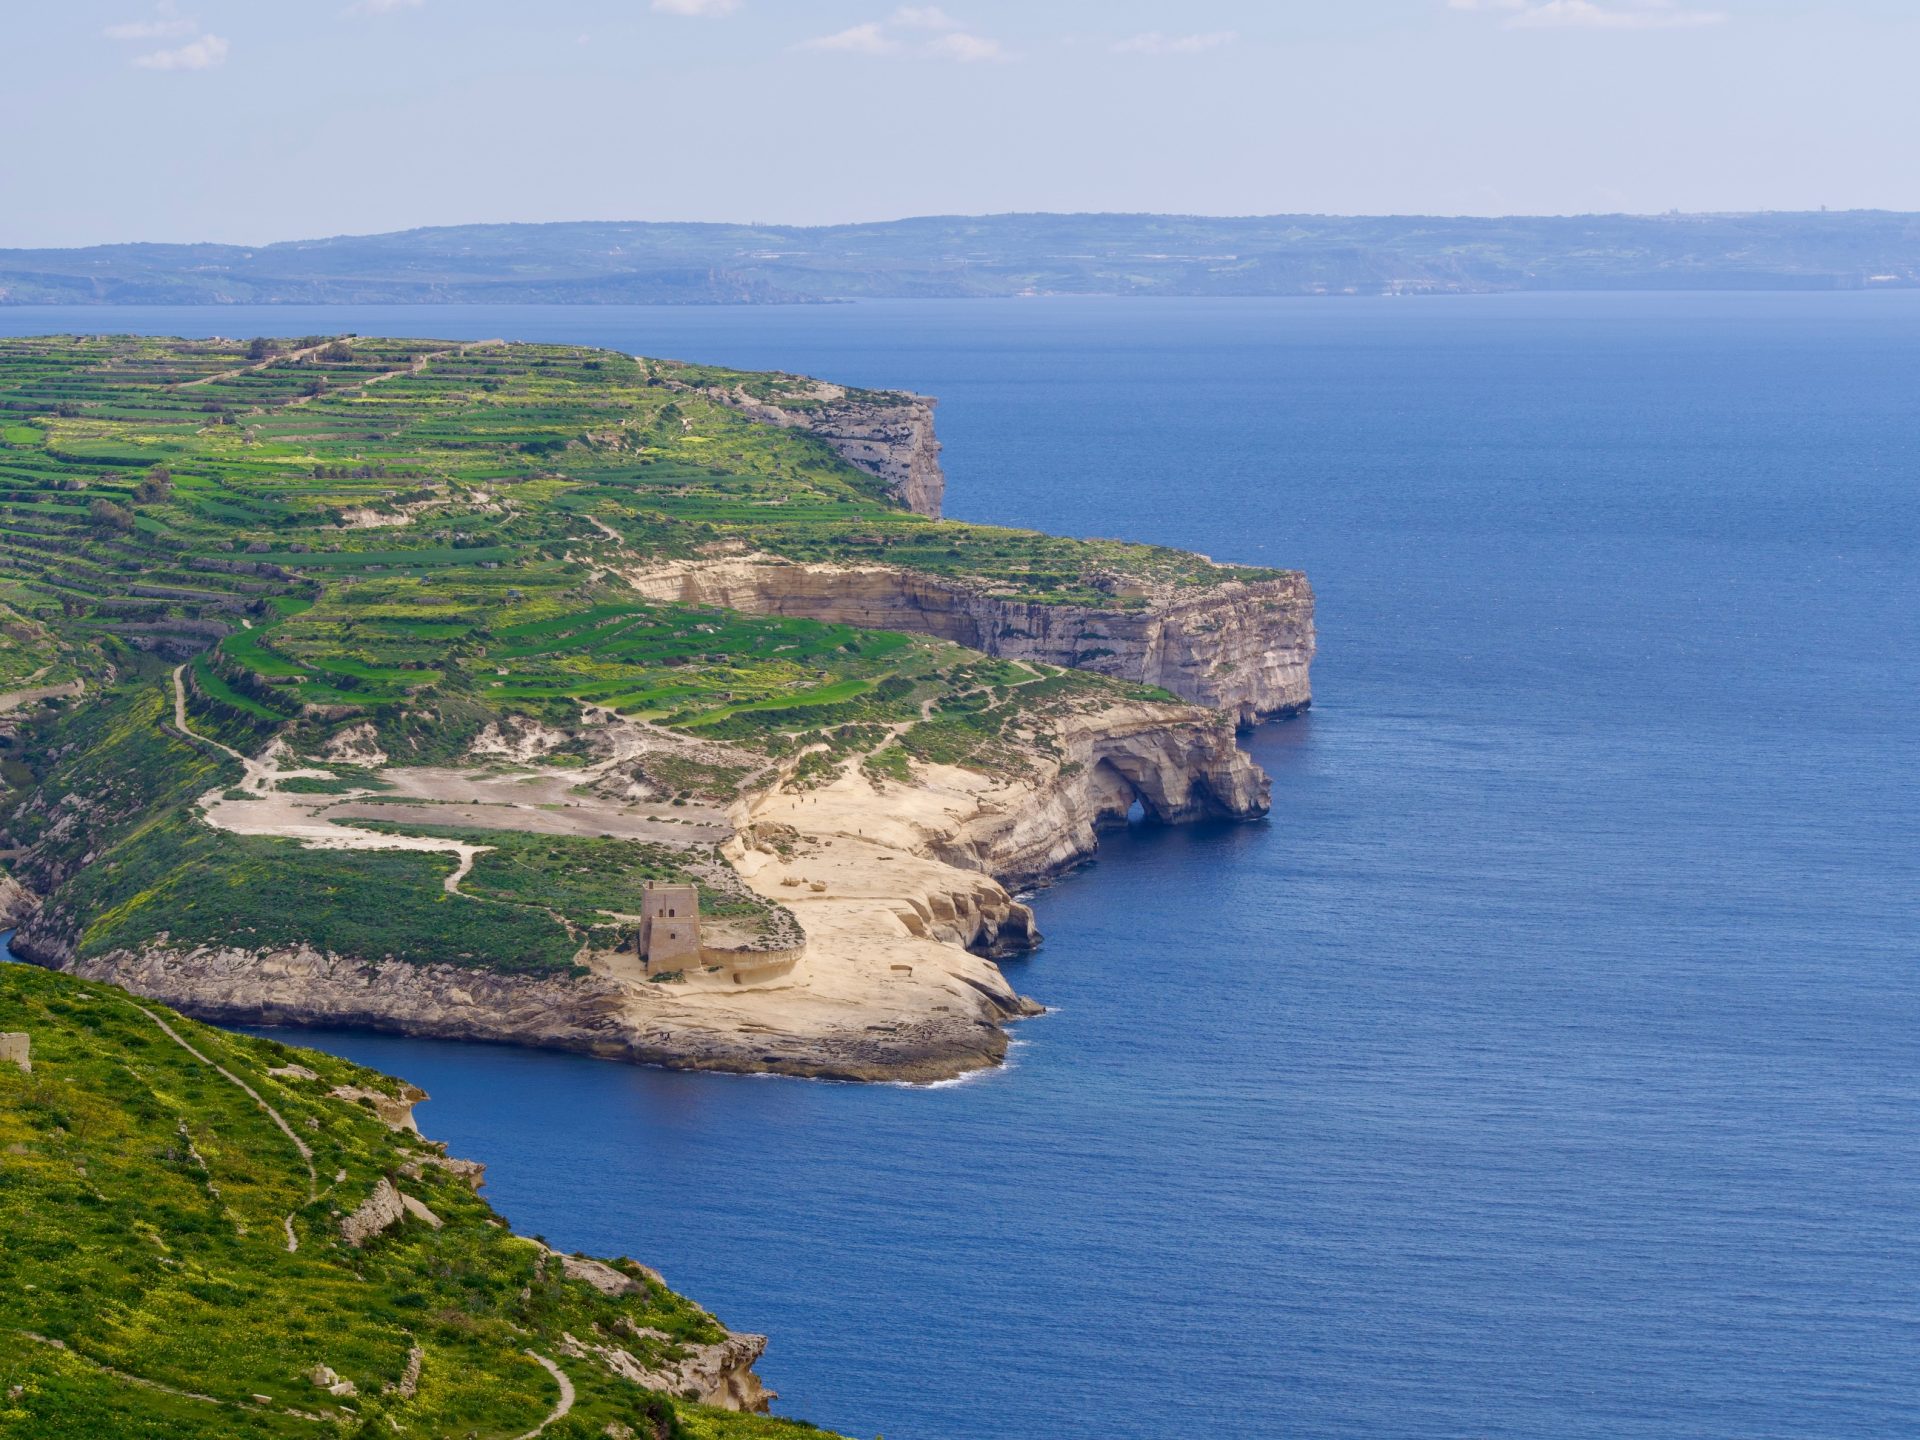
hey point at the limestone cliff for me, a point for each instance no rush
(1242, 647)
(17, 903)
(888, 434)
(1177, 770)
(900, 889)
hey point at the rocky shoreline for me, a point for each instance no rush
(901, 890)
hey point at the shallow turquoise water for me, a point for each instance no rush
(1545, 1066)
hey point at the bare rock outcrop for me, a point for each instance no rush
(888, 434)
(379, 1212)
(1176, 767)
(395, 1111)
(17, 903)
(719, 1374)
(1243, 646)
(306, 986)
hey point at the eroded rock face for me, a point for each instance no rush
(379, 1212)
(395, 1112)
(720, 1374)
(1243, 647)
(17, 903)
(305, 986)
(1177, 768)
(887, 434)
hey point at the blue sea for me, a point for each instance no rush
(1548, 1065)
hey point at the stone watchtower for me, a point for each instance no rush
(669, 927)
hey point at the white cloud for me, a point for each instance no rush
(1152, 42)
(967, 49)
(924, 17)
(866, 39)
(1594, 14)
(938, 37)
(712, 9)
(202, 54)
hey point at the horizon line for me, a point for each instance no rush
(1652, 215)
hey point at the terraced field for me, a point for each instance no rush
(353, 520)
(420, 542)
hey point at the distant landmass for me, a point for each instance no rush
(952, 257)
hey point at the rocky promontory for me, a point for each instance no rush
(457, 683)
(899, 885)
(1245, 647)
(886, 433)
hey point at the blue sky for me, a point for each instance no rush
(258, 120)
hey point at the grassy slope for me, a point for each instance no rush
(143, 1197)
(193, 496)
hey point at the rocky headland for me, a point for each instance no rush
(547, 623)
(900, 887)
(1245, 646)
(888, 434)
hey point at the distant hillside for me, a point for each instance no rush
(595, 263)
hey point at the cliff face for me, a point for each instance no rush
(1243, 647)
(901, 892)
(890, 436)
(304, 986)
(1177, 769)
(17, 903)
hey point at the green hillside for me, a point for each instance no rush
(153, 1173)
(415, 541)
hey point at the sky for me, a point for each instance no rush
(258, 120)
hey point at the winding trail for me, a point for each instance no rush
(258, 815)
(141, 1382)
(561, 1410)
(306, 1151)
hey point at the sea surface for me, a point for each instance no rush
(1547, 1066)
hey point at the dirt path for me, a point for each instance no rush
(412, 367)
(306, 1151)
(14, 699)
(561, 1410)
(142, 1383)
(271, 813)
(604, 528)
(261, 365)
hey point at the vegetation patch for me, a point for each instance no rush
(147, 1287)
